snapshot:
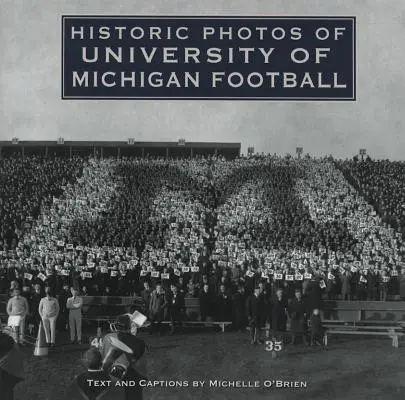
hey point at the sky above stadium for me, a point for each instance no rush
(31, 107)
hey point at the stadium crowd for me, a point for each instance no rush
(202, 228)
(382, 184)
(26, 184)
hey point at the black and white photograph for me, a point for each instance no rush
(202, 200)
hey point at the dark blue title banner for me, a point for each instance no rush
(229, 58)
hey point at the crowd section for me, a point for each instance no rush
(205, 228)
(382, 183)
(26, 184)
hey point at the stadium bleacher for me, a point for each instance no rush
(333, 229)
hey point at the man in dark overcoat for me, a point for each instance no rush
(298, 316)
(278, 314)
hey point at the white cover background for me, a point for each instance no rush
(30, 79)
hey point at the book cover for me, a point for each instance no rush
(228, 176)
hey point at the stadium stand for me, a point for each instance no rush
(382, 185)
(215, 228)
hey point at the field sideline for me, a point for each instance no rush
(350, 369)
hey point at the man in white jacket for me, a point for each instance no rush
(49, 311)
(74, 305)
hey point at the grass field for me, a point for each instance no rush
(350, 369)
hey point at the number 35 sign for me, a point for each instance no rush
(271, 345)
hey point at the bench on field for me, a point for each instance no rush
(100, 318)
(371, 328)
(361, 328)
(111, 318)
(391, 329)
(398, 324)
(95, 310)
(363, 322)
(392, 335)
(204, 324)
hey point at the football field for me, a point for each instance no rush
(350, 369)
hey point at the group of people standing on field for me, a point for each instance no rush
(259, 308)
(278, 311)
(38, 307)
